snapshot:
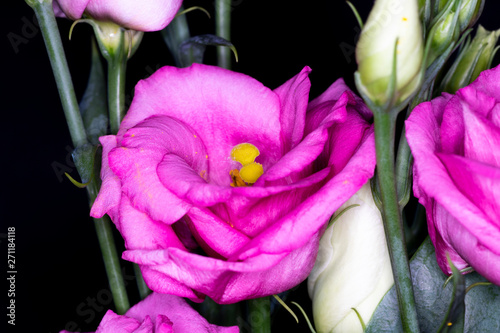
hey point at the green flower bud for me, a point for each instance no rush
(444, 31)
(352, 269)
(393, 28)
(470, 10)
(474, 57)
(114, 41)
(424, 9)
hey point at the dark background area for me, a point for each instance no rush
(59, 267)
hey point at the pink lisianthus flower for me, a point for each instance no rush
(159, 313)
(178, 160)
(137, 15)
(455, 140)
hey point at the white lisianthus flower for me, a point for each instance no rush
(353, 268)
(391, 23)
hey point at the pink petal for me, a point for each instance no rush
(109, 196)
(213, 234)
(168, 136)
(482, 138)
(255, 215)
(229, 282)
(294, 95)
(334, 92)
(111, 322)
(141, 232)
(173, 309)
(466, 248)
(456, 224)
(477, 181)
(295, 229)
(488, 82)
(177, 176)
(224, 108)
(149, 15)
(304, 154)
(136, 167)
(72, 9)
(163, 325)
(163, 284)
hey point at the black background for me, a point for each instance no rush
(58, 261)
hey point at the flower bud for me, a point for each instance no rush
(444, 32)
(393, 25)
(424, 9)
(474, 57)
(470, 10)
(352, 269)
(114, 41)
(452, 18)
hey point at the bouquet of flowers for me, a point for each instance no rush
(366, 205)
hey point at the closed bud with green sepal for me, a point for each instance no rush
(473, 58)
(390, 52)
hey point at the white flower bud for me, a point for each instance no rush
(353, 268)
(390, 21)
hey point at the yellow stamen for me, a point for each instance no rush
(235, 176)
(251, 172)
(245, 153)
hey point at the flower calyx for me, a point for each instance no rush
(114, 41)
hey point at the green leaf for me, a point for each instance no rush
(84, 157)
(93, 105)
(482, 303)
(454, 321)
(192, 50)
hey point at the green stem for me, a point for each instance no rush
(174, 34)
(110, 256)
(111, 262)
(53, 43)
(223, 29)
(116, 91)
(141, 284)
(385, 125)
(259, 315)
(52, 38)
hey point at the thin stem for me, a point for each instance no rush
(223, 29)
(116, 91)
(141, 284)
(52, 38)
(385, 125)
(111, 263)
(174, 34)
(109, 255)
(53, 43)
(259, 315)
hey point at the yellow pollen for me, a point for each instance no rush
(405, 19)
(251, 172)
(245, 153)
